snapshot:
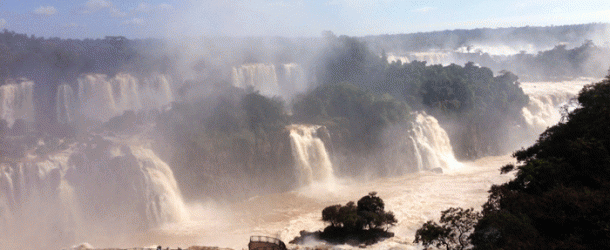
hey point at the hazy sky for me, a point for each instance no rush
(292, 18)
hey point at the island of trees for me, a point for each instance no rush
(360, 224)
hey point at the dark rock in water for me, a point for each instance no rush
(436, 170)
(339, 236)
(305, 236)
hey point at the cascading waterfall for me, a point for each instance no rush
(16, 101)
(310, 156)
(286, 79)
(65, 104)
(260, 76)
(425, 146)
(95, 97)
(432, 143)
(90, 187)
(545, 101)
(156, 92)
(101, 99)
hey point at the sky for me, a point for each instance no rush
(288, 18)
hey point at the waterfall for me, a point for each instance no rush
(100, 98)
(431, 58)
(424, 146)
(156, 92)
(545, 101)
(310, 156)
(285, 79)
(65, 104)
(90, 187)
(16, 101)
(261, 77)
(95, 97)
(432, 143)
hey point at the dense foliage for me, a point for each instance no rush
(453, 232)
(65, 59)
(367, 214)
(344, 107)
(363, 224)
(561, 191)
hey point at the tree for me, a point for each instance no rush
(331, 214)
(453, 232)
(371, 211)
(369, 214)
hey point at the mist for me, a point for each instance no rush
(218, 125)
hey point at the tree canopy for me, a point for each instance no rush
(368, 214)
(453, 232)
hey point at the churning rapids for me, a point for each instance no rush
(63, 199)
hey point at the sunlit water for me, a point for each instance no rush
(414, 198)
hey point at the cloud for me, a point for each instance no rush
(146, 7)
(97, 5)
(164, 6)
(93, 6)
(143, 7)
(424, 9)
(45, 11)
(2, 23)
(135, 21)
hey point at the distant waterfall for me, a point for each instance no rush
(100, 98)
(425, 146)
(65, 104)
(269, 79)
(90, 186)
(431, 58)
(546, 99)
(309, 153)
(293, 80)
(16, 101)
(261, 77)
